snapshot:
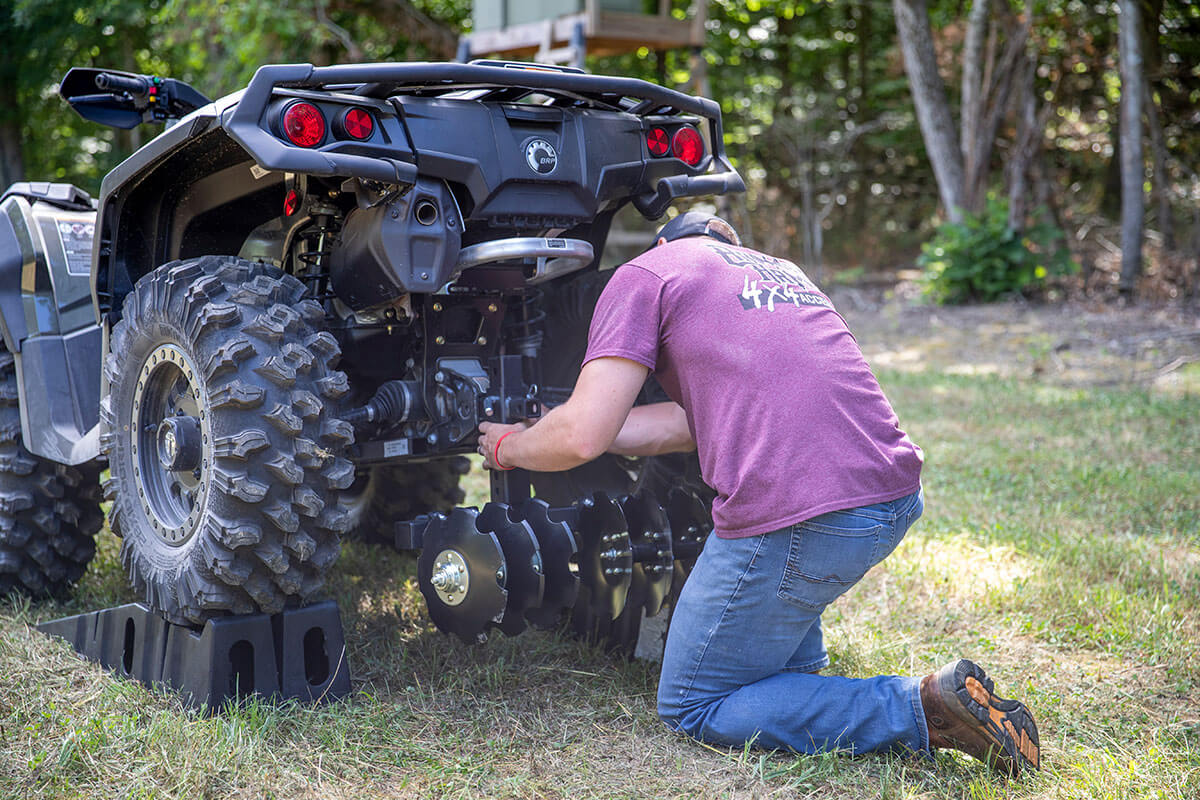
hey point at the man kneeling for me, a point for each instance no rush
(816, 483)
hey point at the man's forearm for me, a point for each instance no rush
(653, 430)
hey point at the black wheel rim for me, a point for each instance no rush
(169, 463)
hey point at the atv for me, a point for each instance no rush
(286, 315)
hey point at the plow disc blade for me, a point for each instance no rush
(605, 555)
(523, 578)
(461, 573)
(559, 552)
(650, 537)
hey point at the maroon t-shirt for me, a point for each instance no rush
(788, 420)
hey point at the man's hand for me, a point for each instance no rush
(489, 438)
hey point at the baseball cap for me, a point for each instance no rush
(695, 223)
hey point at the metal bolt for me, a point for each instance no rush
(481, 340)
(439, 376)
(489, 411)
(432, 438)
(440, 340)
(492, 307)
(437, 306)
(424, 276)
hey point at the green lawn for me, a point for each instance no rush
(1060, 549)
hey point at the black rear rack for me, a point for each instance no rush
(435, 79)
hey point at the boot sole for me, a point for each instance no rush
(1007, 724)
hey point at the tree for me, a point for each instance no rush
(1133, 172)
(933, 108)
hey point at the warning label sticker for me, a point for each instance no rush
(76, 238)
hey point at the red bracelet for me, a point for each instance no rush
(496, 453)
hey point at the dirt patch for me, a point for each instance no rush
(1074, 343)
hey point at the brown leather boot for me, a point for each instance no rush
(964, 713)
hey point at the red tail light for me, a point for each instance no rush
(688, 146)
(358, 124)
(303, 125)
(658, 142)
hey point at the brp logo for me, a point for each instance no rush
(541, 156)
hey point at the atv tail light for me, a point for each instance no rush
(688, 146)
(291, 203)
(357, 124)
(658, 142)
(303, 125)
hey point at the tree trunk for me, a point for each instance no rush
(1161, 187)
(1024, 147)
(1133, 171)
(972, 95)
(1001, 75)
(929, 97)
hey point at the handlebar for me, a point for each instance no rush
(654, 204)
(132, 84)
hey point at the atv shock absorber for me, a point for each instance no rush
(318, 240)
(529, 327)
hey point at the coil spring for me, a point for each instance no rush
(318, 238)
(528, 329)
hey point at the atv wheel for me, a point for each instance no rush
(49, 512)
(386, 494)
(223, 439)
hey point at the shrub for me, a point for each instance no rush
(982, 259)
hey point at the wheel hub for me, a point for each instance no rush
(170, 443)
(179, 443)
(451, 579)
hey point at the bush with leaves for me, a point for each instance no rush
(983, 259)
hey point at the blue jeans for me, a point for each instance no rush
(747, 631)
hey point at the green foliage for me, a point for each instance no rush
(215, 46)
(984, 259)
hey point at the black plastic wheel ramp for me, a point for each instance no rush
(299, 653)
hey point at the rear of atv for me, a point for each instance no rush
(312, 292)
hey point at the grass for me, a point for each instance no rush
(1060, 548)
